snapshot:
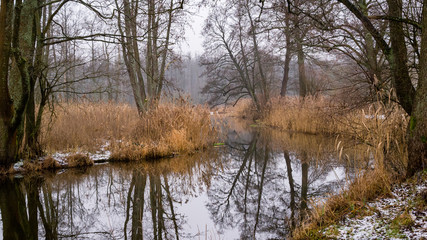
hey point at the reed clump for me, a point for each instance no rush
(170, 128)
(79, 160)
(312, 115)
(50, 163)
(85, 126)
(165, 131)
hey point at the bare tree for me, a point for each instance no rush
(233, 57)
(157, 34)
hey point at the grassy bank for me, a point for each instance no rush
(380, 127)
(87, 127)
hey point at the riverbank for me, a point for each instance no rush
(348, 214)
(401, 214)
(83, 133)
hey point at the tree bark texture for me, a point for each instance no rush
(417, 130)
(7, 136)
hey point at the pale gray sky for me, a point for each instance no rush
(193, 32)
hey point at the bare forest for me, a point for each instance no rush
(86, 82)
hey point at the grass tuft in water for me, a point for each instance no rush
(79, 160)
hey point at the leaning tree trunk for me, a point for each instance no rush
(417, 130)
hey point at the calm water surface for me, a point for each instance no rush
(256, 187)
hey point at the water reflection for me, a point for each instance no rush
(257, 187)
(265, 192)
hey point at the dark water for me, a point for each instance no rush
(255, 187)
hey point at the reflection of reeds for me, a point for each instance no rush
(380, 127)
(378, 130)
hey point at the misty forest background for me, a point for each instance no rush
(351, 52)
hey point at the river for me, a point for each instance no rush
(257, 185)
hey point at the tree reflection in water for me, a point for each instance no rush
(256, 187)
(259, 190)
(103, 202)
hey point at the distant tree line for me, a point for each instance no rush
(122, 50)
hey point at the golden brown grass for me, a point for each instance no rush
(352, 200)
(242, 109)
(380, 127)
(85, 125)
(50, 163)
(309, 115)
(79, 160)
(169, 129)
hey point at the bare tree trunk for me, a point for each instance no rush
(7, 136)
(12, 114)
(288, 57)
(165, 54)
(401, 79)
(396, 55)
(417, 132)
(301, 69)
(258, 60)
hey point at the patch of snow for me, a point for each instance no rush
(61, 157)
(101, 154)
(378, 225)
(374, 116)
(18, 165)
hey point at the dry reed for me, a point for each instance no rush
(79, 160)
(352, 200)
(85, 126)
(313, 115)
(169, 129)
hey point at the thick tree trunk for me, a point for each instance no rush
(129, 44)
(396, 55)
(401, 80)
(417, 130)
(7, 137)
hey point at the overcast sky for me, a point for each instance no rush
(193, 33)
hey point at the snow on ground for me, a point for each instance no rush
(61, 157)
(101, 154)
(396, 217)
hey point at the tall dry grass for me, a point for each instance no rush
(169, 129)
(85, 126)
(335, 208)
(313, 115)
(380, 128)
